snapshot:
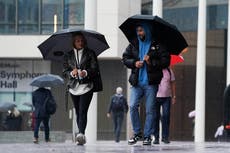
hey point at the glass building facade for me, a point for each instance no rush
(184, 13)
(37, 16)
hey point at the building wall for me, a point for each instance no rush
(181, 125)
(113, 75)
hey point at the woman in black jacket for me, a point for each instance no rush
(82, 70)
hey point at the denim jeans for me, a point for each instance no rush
(46, 127)
(138, 92)
(117, 121)
(165, 117)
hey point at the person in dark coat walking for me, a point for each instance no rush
(82, 70)
(146, 58)
(118, 108)
(39, 97)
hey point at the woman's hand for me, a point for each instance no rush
(83, 74)
(74, 72)
(174, 100)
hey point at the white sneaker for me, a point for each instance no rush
(81, 139)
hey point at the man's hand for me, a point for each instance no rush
(147, 59)
(139, 64)
(74, 72)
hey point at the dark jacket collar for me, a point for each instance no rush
(83, 58)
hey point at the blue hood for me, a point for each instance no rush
(144, 46)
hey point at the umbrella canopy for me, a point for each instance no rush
(176, 59)
(47, 80)
(4, 107)
(162, 32)
(29, 104)
(61, 42)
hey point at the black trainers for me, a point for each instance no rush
(147, 141)
(156, 141)
(165, 140)
(134, 139)
(48, 140)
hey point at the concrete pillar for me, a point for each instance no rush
(134, 7)
(228, 49)
(91, 24)
(200, 74)
(157, 8)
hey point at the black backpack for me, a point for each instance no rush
(118, 104)
(50, 105)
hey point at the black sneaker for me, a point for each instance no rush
(134, 139)
(156, 141)
(147, 141)
(48, 140)
(165, 140)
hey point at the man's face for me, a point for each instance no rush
(79, 42)
(141, 32)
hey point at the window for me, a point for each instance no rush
(49, 9)
(73, 13)
(28, 16)
(37, 16)
(7, 16)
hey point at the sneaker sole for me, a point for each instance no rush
(132, 143)
(146, 144)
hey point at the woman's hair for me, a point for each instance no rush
(75, 36)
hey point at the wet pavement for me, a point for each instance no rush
(112, 147)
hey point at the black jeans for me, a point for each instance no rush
(117, 121)
(81, 105)
(46, 127)
(165, 118)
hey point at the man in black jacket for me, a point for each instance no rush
(146, 58)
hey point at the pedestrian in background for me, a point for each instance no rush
(118, 108)
(39, 98)
(165, 96)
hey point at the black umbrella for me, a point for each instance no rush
(162, 32)
(60, 42)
